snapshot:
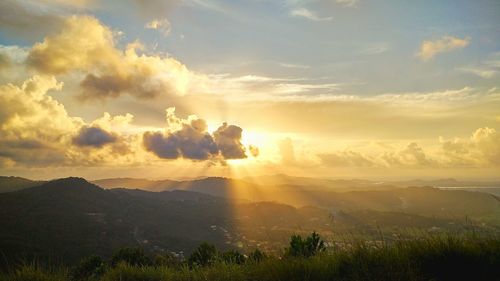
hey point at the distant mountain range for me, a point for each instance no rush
(66, 219)
(269, 187)
(8, 184)
(218, 185)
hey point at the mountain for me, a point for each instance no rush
(216, 186)
(8, 184)
(150, 185)
(65, 219)
(69, 218)
(448, 183)
(335, 194)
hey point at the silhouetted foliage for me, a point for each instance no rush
(131, 256)
(233, 257)
(306, 247)
(427, 258)
(204, 255)
(168, 260)
(89, 267)
(256, 256)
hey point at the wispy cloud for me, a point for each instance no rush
(479, 71)
(375, 48)
(348, 3)
(162, 25)
(429, 49)
(486, 69)
(308, 14)
(292, 65)
(207, 4)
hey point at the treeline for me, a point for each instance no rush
(306, 258)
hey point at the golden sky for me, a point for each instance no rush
(173, 89)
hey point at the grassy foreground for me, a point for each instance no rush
(431, 258)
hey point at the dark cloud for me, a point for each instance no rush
(94, 137)
(29, 152)
(103, 86)
(228, 140)
(112, 86)
(26, 20)
(193, 141)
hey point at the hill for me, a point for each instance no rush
(65, 219)
(8, 184)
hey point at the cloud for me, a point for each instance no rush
(189, 139)
(485, 69)
(346, 158)
(487, 141)
(480, 150)
(454, 95)
(308, 14)
(93, 136)
(254, 150)
(485, 73)
(163, 26)
(71, 3)
(26, 19)
(412, 155)
(32, 124)
(429, 49)
(4, 61)
(258, 88)
(36, 130)
(82, 44)
(209, 5)
(286, 150)
(292, 65)
(348, 3)
(297, 157)
(228, 140)
(375, 48)
(86, 46)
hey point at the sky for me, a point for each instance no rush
(191, 88)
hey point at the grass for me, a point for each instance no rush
(430, 258)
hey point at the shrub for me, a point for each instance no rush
(306, 247)
(33, 272)
(131, 256)
(233, 257)
(256, 256)
(204, 255)
(125, 272)
(89, 267)
(168, 260)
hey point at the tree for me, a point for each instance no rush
(204, 255)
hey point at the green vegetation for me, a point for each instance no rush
(429, 258)
(306, 247)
